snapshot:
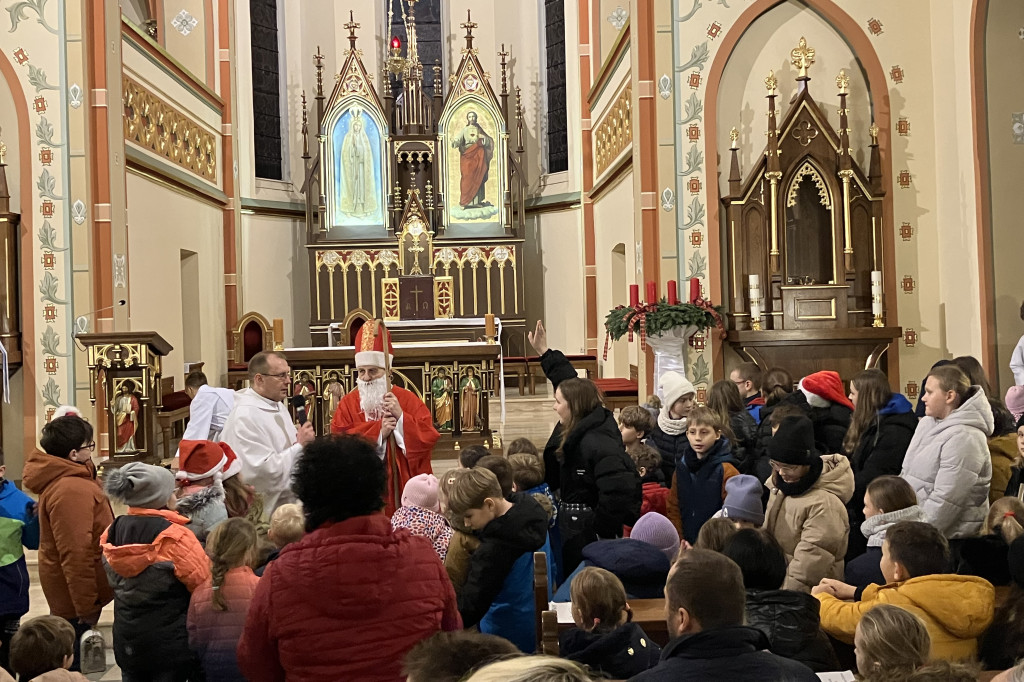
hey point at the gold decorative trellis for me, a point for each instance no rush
(157, 126)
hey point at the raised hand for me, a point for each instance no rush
(538, 338)
(390, 404)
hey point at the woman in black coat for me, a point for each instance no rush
(880, 432)
(600, 489)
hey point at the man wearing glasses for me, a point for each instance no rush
(261, 432)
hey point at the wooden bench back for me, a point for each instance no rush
(540, 591)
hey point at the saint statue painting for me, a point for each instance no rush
(126, 419)
(470, 388)
(475, 151)
(441, 390)
(358, 197)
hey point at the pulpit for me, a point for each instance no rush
(125, 369)
(804, 243)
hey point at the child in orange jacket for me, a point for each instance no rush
(154, 564)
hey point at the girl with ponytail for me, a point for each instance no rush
(217, 614)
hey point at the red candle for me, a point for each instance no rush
(694, 289)
(673, 295)
(652, 292)
(634, 295)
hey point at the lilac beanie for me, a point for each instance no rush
(421, 491)
(743, 499)
(655, 529)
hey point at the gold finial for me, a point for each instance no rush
(318, 60)
(802, 57)
(734, 136)
(3, 149)
(469, 24)
(843, 82)
(874, 132)
(771, 82)
(351, 26)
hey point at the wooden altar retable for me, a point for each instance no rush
(438, 373)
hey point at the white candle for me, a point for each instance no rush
(876, 293)
(755, 281)
(755, 297)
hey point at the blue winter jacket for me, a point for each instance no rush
(700, 491)
(19, 528)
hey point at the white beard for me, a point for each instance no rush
(371, 395)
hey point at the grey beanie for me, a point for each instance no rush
(141, 485)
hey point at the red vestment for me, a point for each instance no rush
(418, 432)
(473, 164)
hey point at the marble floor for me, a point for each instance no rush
(525, 417)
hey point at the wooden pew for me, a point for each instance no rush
(540, 594)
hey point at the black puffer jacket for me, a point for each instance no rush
(880, 452)
(744, 447)
(557, 369)
(597, 472)
(151, 604)
(671, 449)
(790, 620)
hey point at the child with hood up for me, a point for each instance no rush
(154, 564)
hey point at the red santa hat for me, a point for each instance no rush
(370, 345)
(200, 459)
(65, 410)
(824, 388)
(234, 465)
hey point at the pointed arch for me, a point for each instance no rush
(26, 277)
(861, 47)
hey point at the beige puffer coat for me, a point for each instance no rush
(813, 528)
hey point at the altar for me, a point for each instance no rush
(455, 379)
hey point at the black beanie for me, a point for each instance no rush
(793, 443)
(1015, 557)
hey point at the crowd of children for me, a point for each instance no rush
(826, 532)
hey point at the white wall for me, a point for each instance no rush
(614, 224)
(275, 282)
(161, 223)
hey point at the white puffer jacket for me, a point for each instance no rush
(949, 467)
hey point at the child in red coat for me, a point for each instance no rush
(648, 465)
(216, 616)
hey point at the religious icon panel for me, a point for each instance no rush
(474, 188)
(358, 169)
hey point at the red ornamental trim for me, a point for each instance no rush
(694, 80)
(20, 56)
(875, 26)
(714, 30)
(896, 73)
(693, 132)
(39, 104)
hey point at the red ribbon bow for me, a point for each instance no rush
(701, 302)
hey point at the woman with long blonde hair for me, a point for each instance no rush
(881, 429)
(890, 642)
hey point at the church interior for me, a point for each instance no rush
(681, 185)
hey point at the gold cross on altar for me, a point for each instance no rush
(802, 57)
(416, 249)
(416, 293)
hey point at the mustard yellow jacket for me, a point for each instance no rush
(956, 609)
(1004, 453)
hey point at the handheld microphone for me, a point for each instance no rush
(299, 403)
(82, 321)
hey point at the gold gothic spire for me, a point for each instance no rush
(771, 82)
(734, 136)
